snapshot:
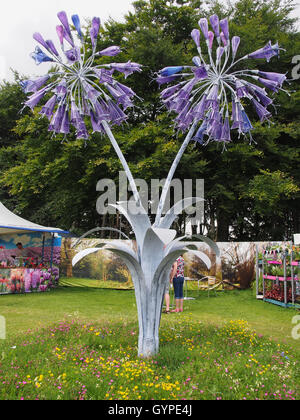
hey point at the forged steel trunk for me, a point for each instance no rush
(151, 303)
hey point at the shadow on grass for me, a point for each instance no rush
(79, 284)
(85, 289)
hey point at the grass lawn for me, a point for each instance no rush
(80, 343)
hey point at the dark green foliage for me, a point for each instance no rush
(251, 190)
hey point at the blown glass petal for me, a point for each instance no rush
(76, 22)
(196, 36)
(215, 23)
(94, 32)
(62, 16)
(204, 27)
(225, 28)
(111, 51)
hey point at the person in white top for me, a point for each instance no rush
(178, 283)
(20, 251)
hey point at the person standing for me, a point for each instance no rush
(167, 296)
(167, 291)
(177, 276)
(20, 251)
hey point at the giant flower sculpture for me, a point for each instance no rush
(79, 88)
(83, 90)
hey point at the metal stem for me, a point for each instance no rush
(172, 172)
(123, 161)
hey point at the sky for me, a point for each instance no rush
(20, 19)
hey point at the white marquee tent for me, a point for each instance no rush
(11, 223)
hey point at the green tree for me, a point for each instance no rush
(54, 183)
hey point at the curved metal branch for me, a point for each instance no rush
(99, 230)
(167, 221)
(137, 217)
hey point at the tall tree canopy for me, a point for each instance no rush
(252, 191)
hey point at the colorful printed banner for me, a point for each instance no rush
(236, 265)
(33, 246)
(27, 280)
(17, 279)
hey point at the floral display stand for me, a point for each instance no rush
(28, 280)
(32, 268)
(278, 276)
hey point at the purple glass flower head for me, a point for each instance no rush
(196, 36)
(126, 68)
(202, 93)
(169, 71)
(52, 48)
(40, 57)
(262, 112)
(275, 77)
(60, 33)
(34, 85)
(224, 39)
(62, 16)
(235, 45)
(48, 108)
(204, 27)
(73, 55)
(34, 99)
(266, 52)
(76, 22)
(215, 23)
(38, 37)
(94, 32)
(111, 51)
(80, 88)
(225, 28)
(211, 37)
